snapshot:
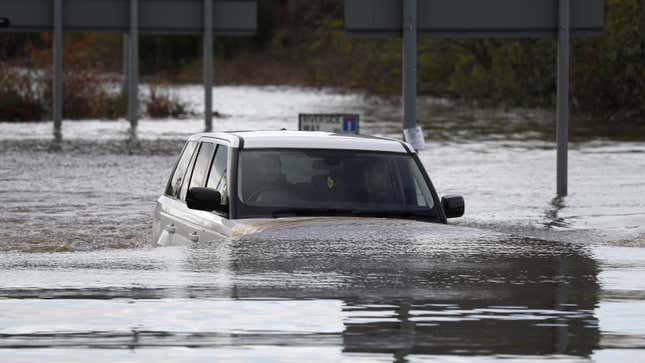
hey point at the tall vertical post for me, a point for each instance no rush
(133, 92)
(57, 86)
(562, 298)
(125, 63)
(411, 131)
(208, 65)
(562, 134)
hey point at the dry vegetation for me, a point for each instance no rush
(304, 43)
(89, 90)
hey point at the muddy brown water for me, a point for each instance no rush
(523, 276)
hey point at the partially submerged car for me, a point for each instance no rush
(235, 183)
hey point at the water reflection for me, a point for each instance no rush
(369, 285)
(438, 291)
(551, 214)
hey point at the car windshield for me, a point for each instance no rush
(284, 182)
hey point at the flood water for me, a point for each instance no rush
(522, 277)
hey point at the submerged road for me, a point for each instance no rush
(342, 291)
(521, 277)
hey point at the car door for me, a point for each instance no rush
(164, 222)
(209, 170)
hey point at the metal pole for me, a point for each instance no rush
(563, 96)
(125, 64)
(208, 65)
(57, 99)
(561, 298)
(412, 133)
(133, 93)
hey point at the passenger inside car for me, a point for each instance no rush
(378, 187)
(271, 173)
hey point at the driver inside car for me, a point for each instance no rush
(271, 177)
(377, 186)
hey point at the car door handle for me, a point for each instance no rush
(170, 228)
(194, 236)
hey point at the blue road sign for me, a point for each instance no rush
(329, 122)
(350, 124)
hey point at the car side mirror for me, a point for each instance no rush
(453, 206)
(205, 199)
(5, 23)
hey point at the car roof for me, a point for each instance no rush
(305, 140)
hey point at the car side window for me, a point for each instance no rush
(200, 172)
(174, 185)
(185, 183)
(421, 201)
(218, 173)
(421, 189)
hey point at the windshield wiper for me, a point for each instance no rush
(349, 212)
(394, 214)
(310, 212)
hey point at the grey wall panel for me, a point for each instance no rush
(171, 15)
(238, 16)
(27, 13)
(373, 15)
(476, 18)
(230, 17)
(588, 14)
(98, 15)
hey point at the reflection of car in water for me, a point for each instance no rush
(406, 287)
(228, 183)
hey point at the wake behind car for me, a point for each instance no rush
(228, 183)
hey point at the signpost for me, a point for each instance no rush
(133, 68)
(208, 64)
(131, 17)
(57, 107)
(478, 19)
(339, 123)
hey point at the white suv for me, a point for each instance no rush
(228, 183)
